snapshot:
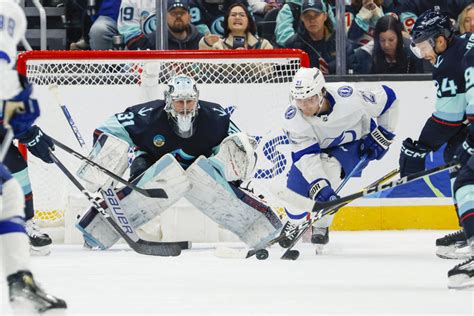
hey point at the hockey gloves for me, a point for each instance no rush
(412, 157)
(375, 145)
(321, 191)
(21, 111)
(465, 150)
(38, 143)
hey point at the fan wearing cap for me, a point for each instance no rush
(317, 36)
(137, 24)
(433, 39)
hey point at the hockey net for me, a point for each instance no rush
(92, 85)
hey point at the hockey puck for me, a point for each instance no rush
(262, 254)
(291, 255)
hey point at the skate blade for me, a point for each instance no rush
(318, 250)
(230, 253)
(452, 252)
(460, 282)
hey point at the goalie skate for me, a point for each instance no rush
(453, 246)
(462, 275)
(25, 294)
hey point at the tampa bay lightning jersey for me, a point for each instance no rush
(147, 128)
(448, 78)
(353, 114)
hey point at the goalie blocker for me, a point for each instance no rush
(207, 184)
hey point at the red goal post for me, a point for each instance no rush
(251, 84)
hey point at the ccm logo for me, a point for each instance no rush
(413, 154)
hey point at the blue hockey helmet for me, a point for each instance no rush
(430, 24)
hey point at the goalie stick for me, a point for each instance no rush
(140, 246)
(153, 193)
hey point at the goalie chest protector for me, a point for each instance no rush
(151, 131)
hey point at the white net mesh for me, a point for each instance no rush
(253, 88)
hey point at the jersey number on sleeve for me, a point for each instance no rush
(446, 86)
(126, 119)
(469, 77)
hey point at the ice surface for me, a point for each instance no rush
(364, 273)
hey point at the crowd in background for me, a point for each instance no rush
(378, 31)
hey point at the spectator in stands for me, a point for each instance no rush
(466, 19)
(181, 33)
(104, 25)
(388, 53)
(137, 24)
(208, 15)
(362, 28)
(261, 7)
(411, 9)
(288, 21)
(316, 37)
(240, 31)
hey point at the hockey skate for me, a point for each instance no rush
(462, 275)
(319, 237)
(285, 242)
(26, 294)
(39, 242)
(453, 246)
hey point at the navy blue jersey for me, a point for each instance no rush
(468, 63)
(147, 128)
(448, 77)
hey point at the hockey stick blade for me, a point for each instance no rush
(140, 246)
(152, 193)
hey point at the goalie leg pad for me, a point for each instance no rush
(139, 209)
(109, 152)
(246, 216)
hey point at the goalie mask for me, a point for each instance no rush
(181, 99)
(307, 90)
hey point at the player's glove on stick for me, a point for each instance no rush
(321, 191)
(375, 145)
(465, 150)
(38, 143)
(412, 157)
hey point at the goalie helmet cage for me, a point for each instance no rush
(251, 85)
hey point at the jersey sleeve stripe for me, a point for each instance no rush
(313, 149)
(391, 97)
(5, 56)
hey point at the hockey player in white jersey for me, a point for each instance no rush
(19, 109)
(330, 128)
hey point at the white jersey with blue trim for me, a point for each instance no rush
(351, 113)
(12, 30)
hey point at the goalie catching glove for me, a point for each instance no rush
(236, 158)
